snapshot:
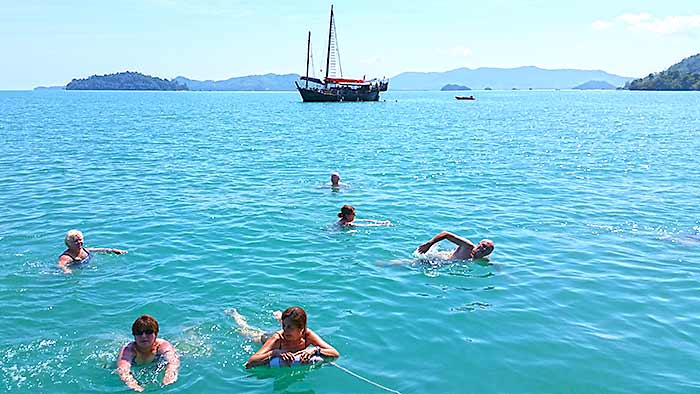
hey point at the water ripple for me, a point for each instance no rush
(217, 196)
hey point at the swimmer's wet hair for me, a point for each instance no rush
(70, 236)
(145, 322)
(346, 210)
(297, 315)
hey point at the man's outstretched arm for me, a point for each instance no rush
(455, 239)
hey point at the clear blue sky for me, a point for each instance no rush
(50, 42)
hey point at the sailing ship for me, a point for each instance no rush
(333, 87)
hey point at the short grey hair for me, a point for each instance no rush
(70, 235)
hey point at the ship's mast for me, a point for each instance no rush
(308, 52)
(330, 31)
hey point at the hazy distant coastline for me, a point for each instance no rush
(494, 78)
(50, 88)
(684, 75)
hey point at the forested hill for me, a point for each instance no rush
(124, 81)
(681, 76)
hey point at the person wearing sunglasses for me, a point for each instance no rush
(147, 348)
(77, 254)
(466, 250)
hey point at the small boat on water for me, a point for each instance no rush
(333, 87)
(465, 97)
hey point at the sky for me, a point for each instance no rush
(50, 42)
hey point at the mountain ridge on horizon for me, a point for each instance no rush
(522, 77)
(506, 68)
(494, 77)
(256, 82)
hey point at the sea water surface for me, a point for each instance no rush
(590, 197)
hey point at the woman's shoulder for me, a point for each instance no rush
(311, 336)
(273, 337)
(65, 256)
(163, 344)
(127, 351)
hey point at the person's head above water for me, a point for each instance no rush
(483, 249)
(347, 213)
(293, 322)
(73, 238)
(335, 179)
(145, 324)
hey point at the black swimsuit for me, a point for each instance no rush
(76, 260)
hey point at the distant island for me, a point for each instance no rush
(50, 88)
(504, 78)
(451, 87)
(681, 76)
(124, 81)
(590, 85)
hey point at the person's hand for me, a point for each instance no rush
(287, 357)
(119, 251)
(425, 247)
(135, 386)
(67, 270)
(169, 377)
(306, 354)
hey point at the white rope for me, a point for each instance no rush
(349, 372)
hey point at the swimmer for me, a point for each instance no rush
(77, 253)
(335, 182)
(335, 179)
(294, 343)
(347, 218)
(466, 250)
(146, 348)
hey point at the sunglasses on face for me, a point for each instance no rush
(138, 333)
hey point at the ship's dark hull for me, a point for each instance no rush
(337, 94)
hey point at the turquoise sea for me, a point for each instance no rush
(590, 196)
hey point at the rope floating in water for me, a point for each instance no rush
(349, 372)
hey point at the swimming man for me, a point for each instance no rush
(466, 250)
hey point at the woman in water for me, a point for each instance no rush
(294, 343)
(77, 253)
(146, 348)
(347, 218)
